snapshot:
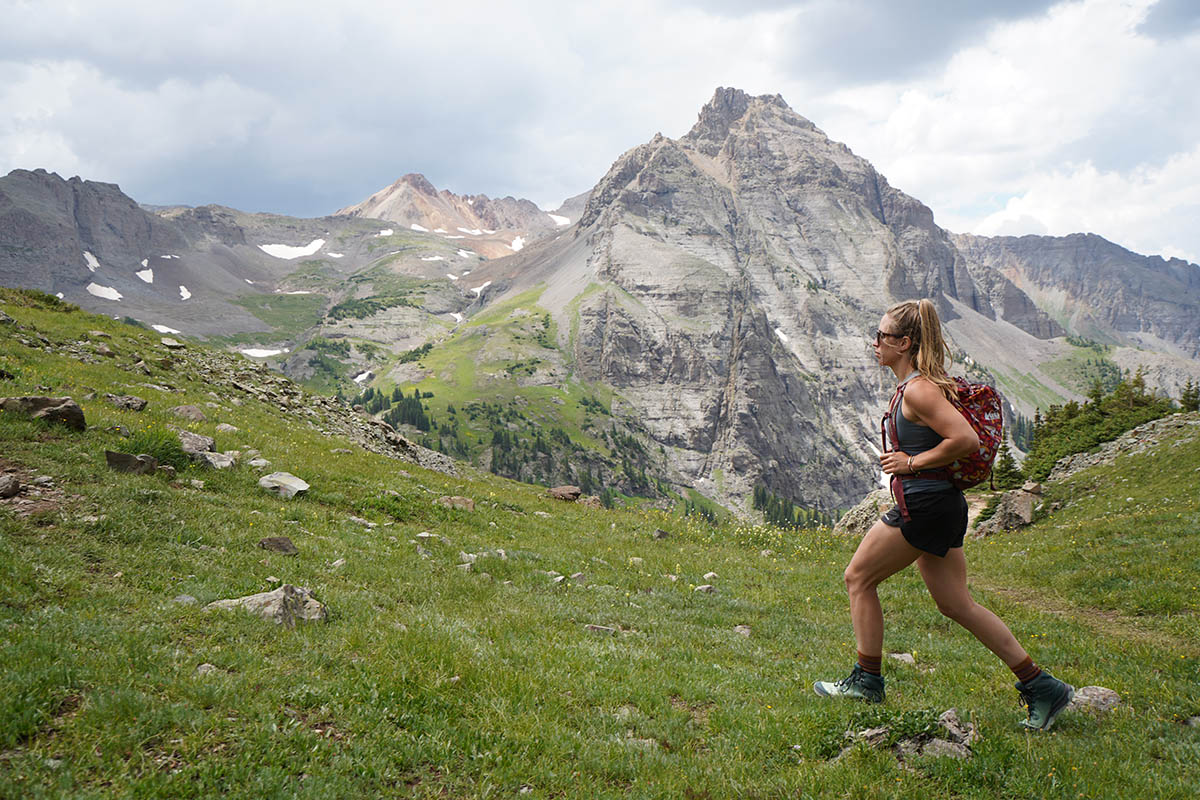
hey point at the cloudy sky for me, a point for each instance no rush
(1013, 116)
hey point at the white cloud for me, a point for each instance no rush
(272, 106)
(1013, 135)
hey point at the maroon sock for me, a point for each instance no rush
(871, 664)
(1026, 670)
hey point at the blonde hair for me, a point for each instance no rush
(918, 320)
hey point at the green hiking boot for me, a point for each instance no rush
(860, 685)
(1045, 696)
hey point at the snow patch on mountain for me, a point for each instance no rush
(164, 329)
(145, 274)
(255, 352)
(433, 258)
(517, 243)
(287, 251)
(106, 292)
(92, 262)
(184, 294)
(560, 221)
(418, 228)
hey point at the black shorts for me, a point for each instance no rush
(938, 520)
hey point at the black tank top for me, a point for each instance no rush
(916, 438)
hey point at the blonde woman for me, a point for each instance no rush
(932, 434)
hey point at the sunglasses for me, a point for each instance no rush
(880, 334)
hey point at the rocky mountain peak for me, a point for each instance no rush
(418, 182)
(726, 108)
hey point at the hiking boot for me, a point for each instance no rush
(1045, 696)
(859, 684)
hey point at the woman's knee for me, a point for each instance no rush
(857, 580)
(957, 609)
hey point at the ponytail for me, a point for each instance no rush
(918, 320)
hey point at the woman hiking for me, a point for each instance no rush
(932, 433)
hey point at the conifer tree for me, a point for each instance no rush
(1189, 400)
(1006, 473)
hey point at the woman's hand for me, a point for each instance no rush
(894, 463)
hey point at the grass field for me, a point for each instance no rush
(433, 681)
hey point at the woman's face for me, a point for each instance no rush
(887, 341)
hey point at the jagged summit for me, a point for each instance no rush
(728, 107)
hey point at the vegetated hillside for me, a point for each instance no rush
(431, 679)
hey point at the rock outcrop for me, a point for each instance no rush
(284, 606)
(57, 410)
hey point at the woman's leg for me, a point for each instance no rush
(882, 553)
(946, 579)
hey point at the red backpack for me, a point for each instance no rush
(980, 405)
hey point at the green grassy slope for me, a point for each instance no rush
(431, 681)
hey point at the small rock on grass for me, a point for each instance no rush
(283, 484)
(205, 668)
(903, 658)
(707, 588)
(126, 401)
(283, 606)
(279, 544)
(184, 600)
(141, 464)
(1095, 699)
(743, 630)
(708, 576)
(591, 628)
(660, 534)
(192, 413)
(225, 427)
(9, 486)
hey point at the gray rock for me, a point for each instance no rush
(940, 748)
(225, 427)
(57, 410)
(141, 464)
(903, 658)
(279, 544)
(172, 344)
(956, 730)
(217, 460)
(707, 588)
(196, 484)
(9, 486)
(742, 630)
(659, 533)
(1015, 510)
(283, 484)
(105, 350)
(283, 606)
(360, 521)
(192, 413)
(205, 669)
(126, 401)
(5, 319)
(1193, 722)
(858, 520)
(709, 576)
(636, 561)
(259, 463)
(184, 600)
(592, 628)
(1094, 699)
(542, 514)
